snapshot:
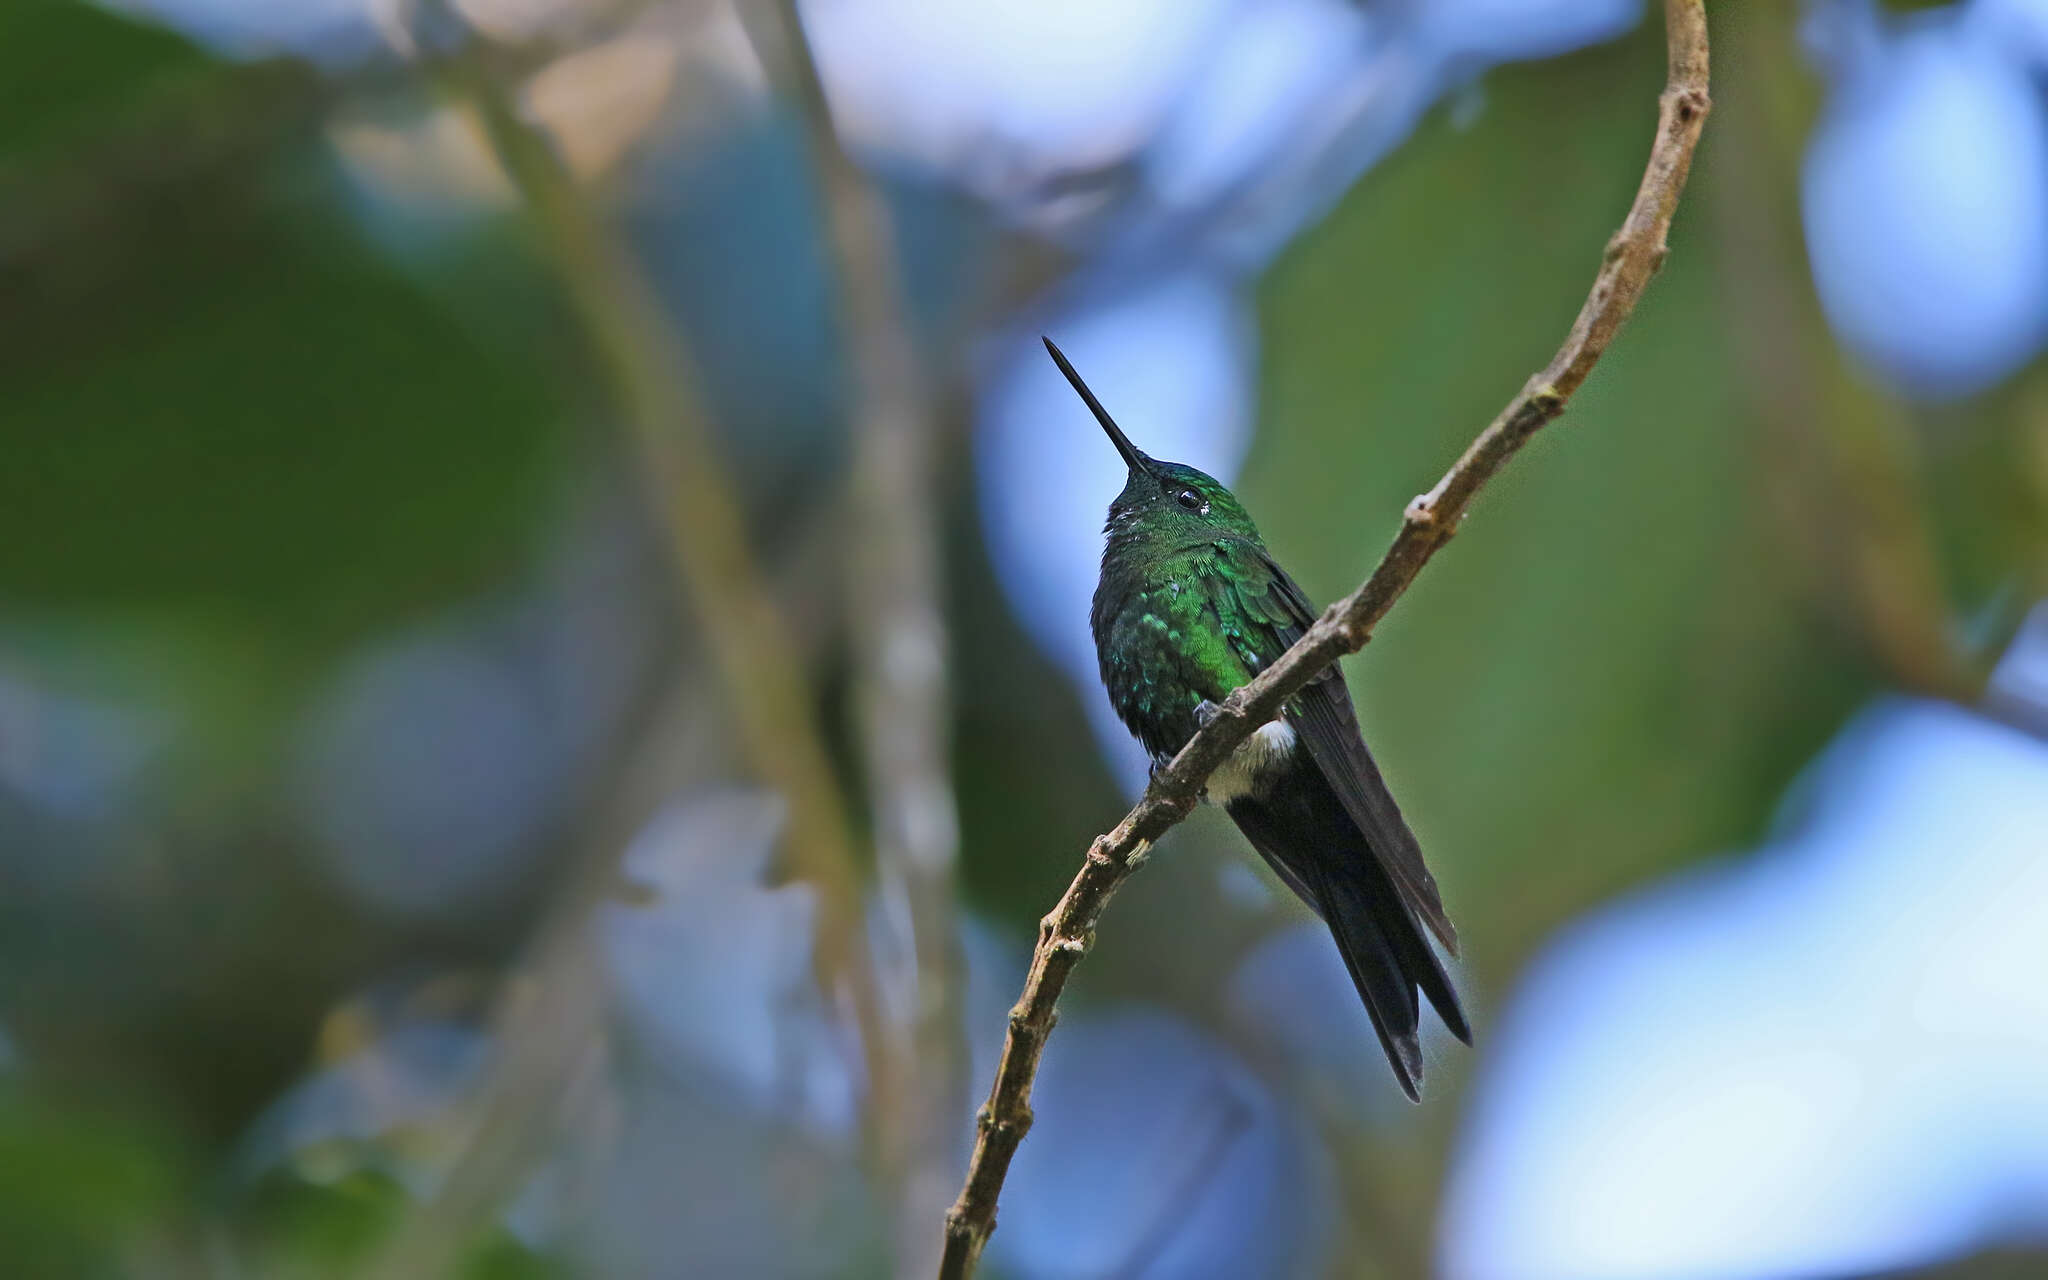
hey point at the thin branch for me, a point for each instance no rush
(900, 644)
(1633, 256)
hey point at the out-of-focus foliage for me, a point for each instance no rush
(220, 378)
(81, 1184)
(310, 1229)
(239, 441)
(336, 655)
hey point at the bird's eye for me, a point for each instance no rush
(1190, 499)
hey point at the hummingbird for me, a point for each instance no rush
(1190, 606)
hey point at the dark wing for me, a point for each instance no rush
(1328, 726)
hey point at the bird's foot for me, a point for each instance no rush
(1205, 712)
(1157, 776)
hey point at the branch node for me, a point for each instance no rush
(1014, 1125)
(1421, 510)
(1541, 404)
(1688, 105)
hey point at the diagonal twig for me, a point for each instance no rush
(1632, 257)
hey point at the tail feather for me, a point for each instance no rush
(1420, 964)
(1376, 969)
(1300, 828)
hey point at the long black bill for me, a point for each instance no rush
(1134, 459)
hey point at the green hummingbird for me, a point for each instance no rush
(1190, 606)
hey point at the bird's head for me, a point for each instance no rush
(1168, 502)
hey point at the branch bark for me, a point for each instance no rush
(1632, 257)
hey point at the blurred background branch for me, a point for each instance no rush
(901, 649)
(691, 499)
(1838, 458)
(1634, 254)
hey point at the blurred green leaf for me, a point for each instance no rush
(222, 400)
(308, 1228)
(79, 1185)
(263, 417)
(66, 67)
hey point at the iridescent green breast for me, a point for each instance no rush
(1173, 632)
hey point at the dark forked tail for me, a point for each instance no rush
(1389, 960)
(1300, 828)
